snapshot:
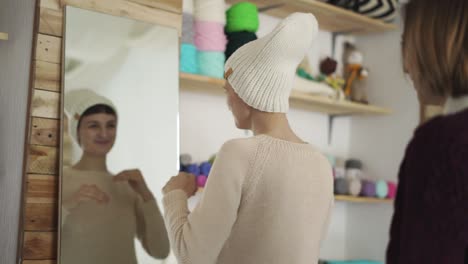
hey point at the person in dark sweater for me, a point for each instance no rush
(430, 222)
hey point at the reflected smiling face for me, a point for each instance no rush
(96, 133)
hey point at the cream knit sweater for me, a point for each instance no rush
(106, 233)
(266, 201)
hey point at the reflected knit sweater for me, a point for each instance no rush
(105, 233)
(430, 223)
(266, 201)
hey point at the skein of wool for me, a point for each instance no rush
(211, 63)
(205, 168)
(237, 40)
(381, 189)
(193, 169)
(344, 186)
(242, 16)
(354, 187)
(392, 189)
(187, 6)
(341, 186)
(368, 188)
(210, 10)
(209, 36)
(187, 28)
(185, 159)
(201, 180)
(188, 58)
(340, 172)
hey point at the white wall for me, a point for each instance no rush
(206, 123)
(380, 142)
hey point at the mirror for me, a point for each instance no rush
(120, 138)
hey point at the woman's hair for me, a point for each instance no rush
(436, 39)
(97, 109)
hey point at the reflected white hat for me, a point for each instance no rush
(262, 72)
(77, 102)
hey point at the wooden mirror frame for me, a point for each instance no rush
(38, 233)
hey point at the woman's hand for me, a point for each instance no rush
(184, 181)
(136, 181)
(86, 193)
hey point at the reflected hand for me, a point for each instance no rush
(86, 193)
(137, 182)
(184, 181)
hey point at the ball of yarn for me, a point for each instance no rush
(381, 189)
(392, 188)
(354, 187)
(188, 58)
(187, 28)
(328, 66)
(242, 16)
(368, 188)
(209, 36)
(205, 168)
(201, 180)
(341, 186)
(353, 164)
(211, 63)
(210, 10)
(187, 6)
(193, 169)
(353, 173)
(344, 186)
(185, 159)
(237, 40)
(340, 172)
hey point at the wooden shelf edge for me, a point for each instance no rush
(358, 199)
(3, 36)
(346, 198)
(319, 103)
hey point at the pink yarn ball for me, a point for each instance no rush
(392, 188)
(209, 36)
(201, 180)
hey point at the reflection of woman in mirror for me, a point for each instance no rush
(269, 197)
(102, 214)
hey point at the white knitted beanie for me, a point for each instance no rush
(77, 102)
(262, 72)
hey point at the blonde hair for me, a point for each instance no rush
(436, 39)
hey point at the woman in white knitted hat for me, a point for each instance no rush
(102, 214)
(268, 198)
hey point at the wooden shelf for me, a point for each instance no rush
(3, 36)
(297, 99)
(354, 199)
(330, 18)
(346, 198)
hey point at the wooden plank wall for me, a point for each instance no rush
(40, 208)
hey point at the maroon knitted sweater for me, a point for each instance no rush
(430, 222)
